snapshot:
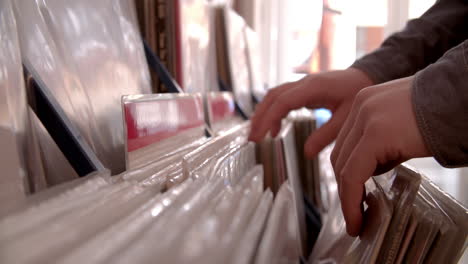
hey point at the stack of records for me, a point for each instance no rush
(160, 28)
(200, 200)
(182, 34)
(305, 124)
(407, 220)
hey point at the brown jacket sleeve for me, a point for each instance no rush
(435, 48)
(440, 102)
(422, 42)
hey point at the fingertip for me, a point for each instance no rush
(354, 223)
(310, 152)
(352, 230)
(253, 137)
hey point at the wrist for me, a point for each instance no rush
(359, 78)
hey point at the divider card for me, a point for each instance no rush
(151, 119)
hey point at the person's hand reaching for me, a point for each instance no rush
(332, 90)
(379, 133)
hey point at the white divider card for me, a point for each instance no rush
(88, 54)
(154, 123)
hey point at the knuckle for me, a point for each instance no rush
(363, 95)
(367, 109)
(360, 97)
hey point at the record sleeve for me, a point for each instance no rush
(88, 54)
(118, 236)
(288, 148)
(245, 250)
(280, 240)
(14, 122)
(401, 189)
(377, 217)
(451, 241)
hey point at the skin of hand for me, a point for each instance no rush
(333, 90)
(379, 133)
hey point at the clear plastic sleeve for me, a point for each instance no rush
(14, 116)
(117, 237)
(401, 188)
(280, 238)
(88, 54)
(450, 243)
(245, 250)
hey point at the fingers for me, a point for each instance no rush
(263, 107)
(269, 116)
(357, 170)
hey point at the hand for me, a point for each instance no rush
(332, 90)
(379, 133)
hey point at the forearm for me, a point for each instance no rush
(440, 102)
(422, 42)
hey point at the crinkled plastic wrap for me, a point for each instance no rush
(235, 163)
(195, 161)
(198, 45)
(280, 238)
(212, 238)
(245, 251)
(450, 242)
(43, 207)
(378, 214)
(401, 188)
(409, 234)
(156, 123)
(150, 244)
(14, 116)
(429, 222)
(117, 237)
(89, 217)
(88, 54)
